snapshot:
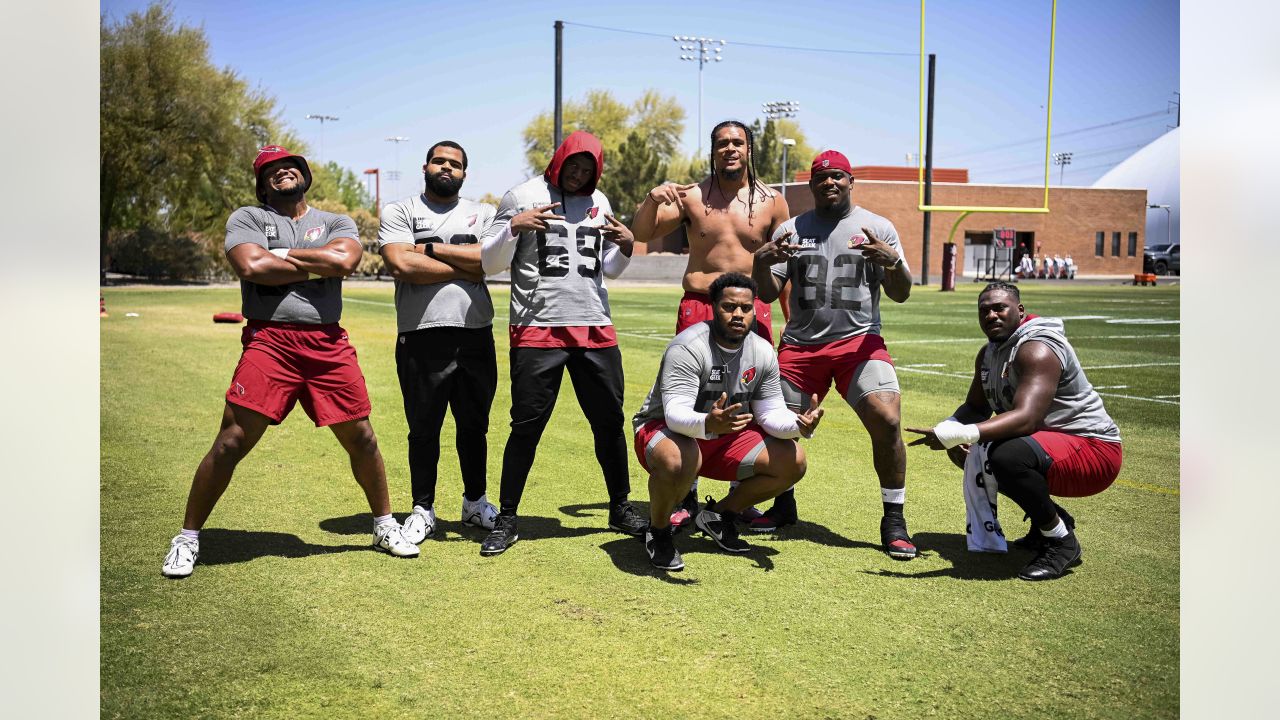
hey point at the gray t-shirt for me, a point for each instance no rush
(1076, 408)
(557, 276)
(835, 293)
(453, 303)
(312, 302)
(694, 366)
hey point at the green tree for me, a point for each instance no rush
(331, 181)
(768, 149)
(634, 171)
(659, 120)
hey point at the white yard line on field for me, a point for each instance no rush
(1132, 365)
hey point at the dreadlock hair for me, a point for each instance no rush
(1003, 287)
(753, 185)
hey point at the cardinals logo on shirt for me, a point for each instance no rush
(857, 240)
(313, 234)
(593, 212)
(748, 375)
(472, 220)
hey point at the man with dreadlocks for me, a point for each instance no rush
(727, 217)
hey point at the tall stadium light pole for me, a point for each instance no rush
(1062, 160)
(377, 190)
(781, 109)
(1168, 222)
(696, 49)
(323, 119)
(786, 143)
(395, 174)
(559, 99)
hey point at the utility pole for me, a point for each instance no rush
(928, 178)
(1062, 160)
(699, 47)
(394, 175)
(559, 100)
(323, 119)
(774, 111)
(377, 190)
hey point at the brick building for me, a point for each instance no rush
(1103, 230)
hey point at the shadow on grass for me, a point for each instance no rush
(814, 533)
(965, 565)
(446, 530)
(224, 547)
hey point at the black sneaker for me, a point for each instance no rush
(894, 537)
(782, 513)
(662, 552)
(721, 527)
(1034, 539)
(625, 519)
(503, 536)
(1055, 556)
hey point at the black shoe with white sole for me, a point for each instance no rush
(721, 527)
(662, 551)
(625, 519)
(1055, 556)
(503, 536)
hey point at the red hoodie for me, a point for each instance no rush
(580, 336)
(579, 141)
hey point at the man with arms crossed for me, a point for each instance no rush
(444, 353)
(291, 259)
(838, 257)
(728, 216)
(1050, 434)
(693, 423)
(560, 319)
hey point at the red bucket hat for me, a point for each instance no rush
(270, 154)
(831, 160)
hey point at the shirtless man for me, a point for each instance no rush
(727, 216)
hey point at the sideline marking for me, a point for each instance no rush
(1074, 338)
(1143, 321)
(368, 302)
(1134, 365)
(1135, 397)
(920, 365)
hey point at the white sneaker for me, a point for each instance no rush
(480, 513)
(420, 525)
(181, 560)
(389, 538)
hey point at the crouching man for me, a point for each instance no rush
(1050, 435)
(696, 422)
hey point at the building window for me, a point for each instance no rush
(1099, 243)
(1115, 244)
(1133, 244)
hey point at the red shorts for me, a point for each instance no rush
(1081, 466)
(727, 457)
(312, 364)
(696, 308)
(811, 368)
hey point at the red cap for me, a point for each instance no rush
(831, 160)
(272, 153)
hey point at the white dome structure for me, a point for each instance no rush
(1154, 167)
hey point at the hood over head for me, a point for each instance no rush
(578, 141)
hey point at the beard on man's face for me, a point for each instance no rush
(733, 174)
(443, 185)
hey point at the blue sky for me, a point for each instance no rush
(478, 72)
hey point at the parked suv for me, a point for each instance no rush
(1162, 259)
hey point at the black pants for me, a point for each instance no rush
(1021, 467)
(454, 368)
(535, 384)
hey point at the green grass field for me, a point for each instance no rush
(290, 614)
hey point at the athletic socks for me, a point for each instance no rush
(893, 499)
(1058, 531)
(381, 520)
(193, 534)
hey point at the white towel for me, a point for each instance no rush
(982, 528)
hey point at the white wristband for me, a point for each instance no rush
(280, 252)
(951, 433)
